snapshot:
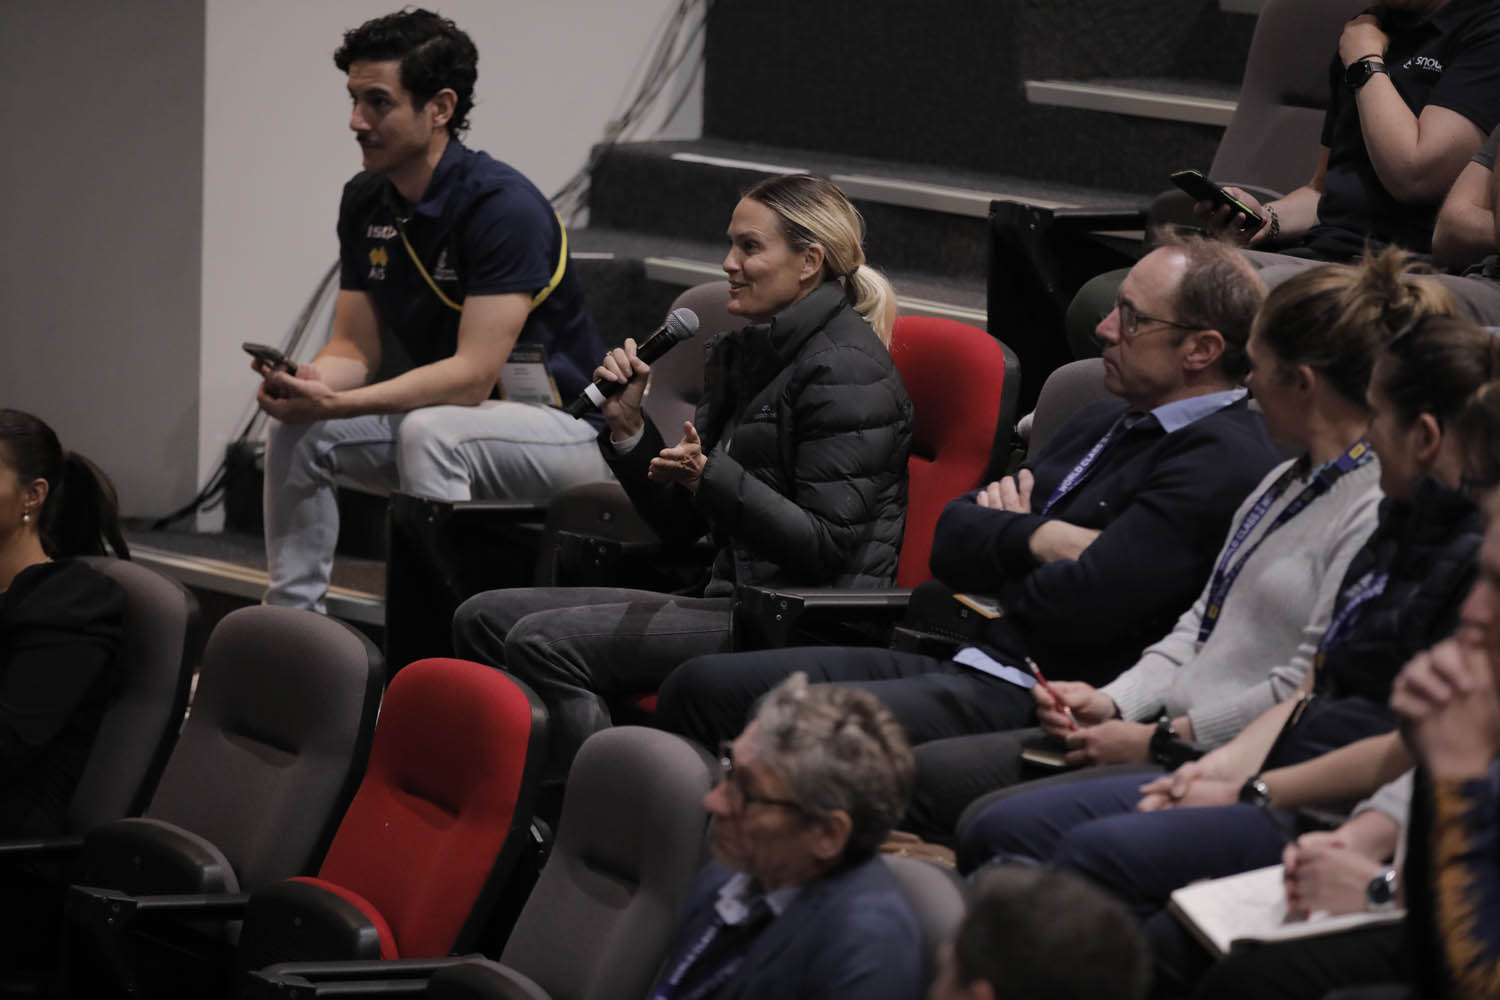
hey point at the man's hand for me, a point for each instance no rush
(1323, 873)
(1227, 221)
(1090, 706)
(1112, 742)
(1011, 494)
(1054, 541)
(1361, 39)
(622, 412)
(302, 399)
(1452, 715)
(683, 463)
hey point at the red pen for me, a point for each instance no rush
(1036, 672)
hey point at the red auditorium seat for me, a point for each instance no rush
(431, 836)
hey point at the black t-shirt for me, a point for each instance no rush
(481, 228)
(1451, 60)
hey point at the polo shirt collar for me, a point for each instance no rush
(441, 184)
(1179, 413)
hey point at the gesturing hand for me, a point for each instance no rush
(683, 463)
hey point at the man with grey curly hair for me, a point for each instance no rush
(796, 903)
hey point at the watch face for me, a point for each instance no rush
(1381, 889)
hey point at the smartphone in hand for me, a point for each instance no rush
(1203, 189)
(270, 356)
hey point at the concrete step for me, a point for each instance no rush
(921, 220)
(682, 263)
(1198, 102)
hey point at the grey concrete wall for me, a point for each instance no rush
(101, 176)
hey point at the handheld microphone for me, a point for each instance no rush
(680, 325)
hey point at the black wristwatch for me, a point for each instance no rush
(1358, 73)
(1380, 894)
(1255, 793)
(1167, 748)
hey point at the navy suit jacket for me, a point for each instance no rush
(849, 934)
(1164, 503)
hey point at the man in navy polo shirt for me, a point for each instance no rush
(459, 329)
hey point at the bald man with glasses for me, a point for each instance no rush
(1093, 549)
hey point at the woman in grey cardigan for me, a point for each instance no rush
(1253, 632)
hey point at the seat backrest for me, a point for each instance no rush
(158, 649)
(629, 844)
(275, 740)
(936, 901)
(1068, 389)
(677, 376)
(963, 385)
(1273, 139)
(445, 805)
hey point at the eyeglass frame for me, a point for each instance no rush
(1133, 330)
(740, 799)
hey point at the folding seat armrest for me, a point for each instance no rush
(21, 849)
(1097, 220)
(151, 856)
(393, 977)
(769, 618)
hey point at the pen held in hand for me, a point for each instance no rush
(1067, 712)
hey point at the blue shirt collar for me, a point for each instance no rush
(1176, 415)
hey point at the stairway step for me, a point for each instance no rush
(1199, 102)
(684, 263)
(919, 219)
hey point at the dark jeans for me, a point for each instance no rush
(1092, 827)
(1311, 968)
(709, 698)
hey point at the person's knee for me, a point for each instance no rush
(476, 635)
(686, 689)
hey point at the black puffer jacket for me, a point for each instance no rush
(807, 429)
(1429, 547)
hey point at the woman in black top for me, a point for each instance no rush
(60, 621)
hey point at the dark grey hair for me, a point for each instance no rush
(837, 748)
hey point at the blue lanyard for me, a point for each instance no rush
(710, 983)
(1081, 471)
(1357, 455)
(1350, 602)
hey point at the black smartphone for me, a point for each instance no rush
(1203, 189)
(268, 355)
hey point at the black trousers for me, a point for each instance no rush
(1308, 969)
(710, 698)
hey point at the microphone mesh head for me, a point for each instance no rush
(683, 323)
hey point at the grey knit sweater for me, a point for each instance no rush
(1271, 619)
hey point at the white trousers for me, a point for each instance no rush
(496, 450)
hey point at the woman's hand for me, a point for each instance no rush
(1226, 220)
(1113, 742)
(1323, 873)
(1452, 714)
(622, 412)
(683, 463)
(1090, 706)
(1362, 38)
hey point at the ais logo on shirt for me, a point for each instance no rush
(379, 260)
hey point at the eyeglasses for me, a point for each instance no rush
(735, 793)
(1131, 320)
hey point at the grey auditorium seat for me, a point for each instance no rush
(599, 920)
(158, 651)
(272, 750)
(935, 899)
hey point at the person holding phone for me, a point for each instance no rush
(1414, 88)
(454, 289)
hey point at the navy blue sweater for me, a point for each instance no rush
(1163, 502)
